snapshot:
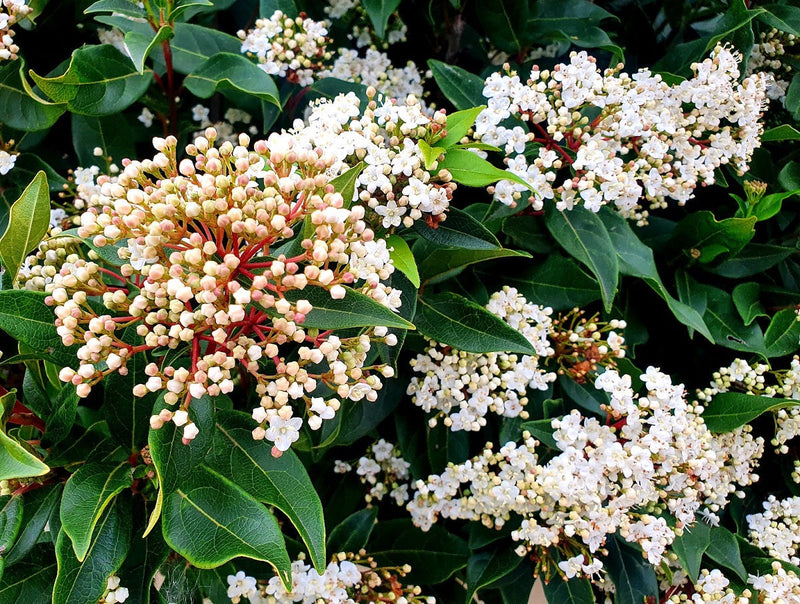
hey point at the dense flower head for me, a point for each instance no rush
(648, 139)
(383, 470)
(11, 12)
(375, 69)
(654, 454)
(777, 528)
(211, 267)
(464, 387)
(774, 55)
(289, 47)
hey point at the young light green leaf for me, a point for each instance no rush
(282, 482)
(584, 236)
(783, 334)
(472, 170)
(462, 88)
(229, 71)
(140, 45)
(730, 410)
(27, 225)
(379, 12)
(430, 155)
(354, 310)
(459, 230)
(84, 581)
(209, 520)
(458, 322)
(345, 183)
(402, 258)
(86, 494)
(18, 109)
(17, 462)
(99, 80)
(458, 124)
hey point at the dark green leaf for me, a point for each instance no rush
(39, 505)
(459, 230)
(379, 12)
(228, 71)
(541, 430)
(690, 547)
(724, 549)
(10, 521)
(27, 225)
(437, 264)
(574, 591)
(730, 410)
(113, 134)
(633, 577)
(130, 8)
(462, 88)
(701, 233)
(62, 417)
(455, 321)
(140, 45)
(785, 132)
(484, 568)
(353, 532)
(20, 110)
(746, 300)
(31, 580)
(505, 22)
(726, 325)
(783, 334)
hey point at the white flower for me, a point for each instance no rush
(283, 432)
(7, 161)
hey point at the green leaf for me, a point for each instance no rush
(86, 494)
(584, 236)
(100, 80)
(484, 568)
(746, 300)
(462, 88)
(724, 549)
(18, 109)
(730, 410)
(39, 505)
(433, 555)
(633, 577)
(430, 155)
(345, 183)
(140, 45)
(62, 417)
(690, 547)
(17, 462)
(437, 264)
(354, 310)
(31, 580)
(358, 418)
(145, 558)
(26, 318)
(458, 124)
(112, 133)
(282, 482)
(505, 22)
(79, 582)
(181, 6)
(352, 533)
(268, 7)
(459, 230)
(783, 334)
(27, 225)
(726, 326)
(573, 21)
(130, 8)
(10, 521)
(468, 168)
(108, 253)
(402, 258)
(574, 591)
(228, 71)
(456, 321)
(379, 12)
(209, 520)
(754, 259)
(784, 132)
(542, 430)
(701, 233)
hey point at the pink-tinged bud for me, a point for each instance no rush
(156, 422)
(276, 452)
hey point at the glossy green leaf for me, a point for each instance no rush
(574, 591)
(634, 579)
(130, 8)
(430, 155)
(345, 183)
(146, 556)
(573, 21)
(281, 482)
(18, 462)
(354, 310)
(359, 418)
(18, 109)
(353, 532)
(140, 45)
(112, 133)
(181, 6)
(505, 22)
(456, 321)
(268, 7)
(28, 223)
(783, 334)
(100, 80)
(108, 253)
(462, 88)
(30, 580)
(746, 300)
(209, 520)
(724, 549)
(702, 237)
(402, 258)
(459, 230)
(10, 520)
(457, 126)
(62, 417)
(785, 18)
(690, 546)
(467, 168)
(438, 264)
(86, 495)
(541, 430)
(582, 235)
(730, 410)
(39, 505)
(726, 325)
(754, 259)
(784, 132)
(228, 71)
(485, 568)
(80, 582)
(379, 12)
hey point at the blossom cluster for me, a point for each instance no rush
(777, 528)
(384, 470)
(234, 121)
(653, 454)
(7, 161)
(646, 138)
(712, 586)
(464, 387)
(290, 47)
(773, 55)
(11, 13)
(348, 579)
(376, 69)
(200, 274)
(362, 32)
(114, 593)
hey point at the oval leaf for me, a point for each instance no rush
(228, 71)
(462, 88)
(472, 170)
(730, 410)
(17, 462)
(402, 258)
(27, 225)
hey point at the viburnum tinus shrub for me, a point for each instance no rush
(399, 302)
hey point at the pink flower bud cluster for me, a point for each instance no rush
(622, 137)
(213, 270)
(11, 12)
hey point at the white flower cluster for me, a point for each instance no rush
(349, 579)
(199, 276)
(772, 56)
(376, 69)
(384, 470)
(711, 586)
(758, 379)
(11, 13)
(647, 139)
(777, 528)
(292, 48)
(362, 32)
(227, 129)
(393, 182)
(464, 386)
(115, 593)
(654, 454)
(777, 587)
(7, 161)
